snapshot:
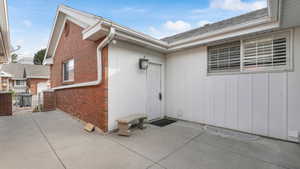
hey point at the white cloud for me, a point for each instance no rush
(169, 28)
(238, 5)
(202, 23)
(130, 10)
(177, 26)
(27, 23)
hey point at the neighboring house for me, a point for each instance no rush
(242, 73)
(4, 34)
(25, 60)
(24, 78)
(4, 81)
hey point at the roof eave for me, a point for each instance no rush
(259, 25)
(98, 29)
(4, 30)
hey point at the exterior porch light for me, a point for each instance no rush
(143, 63)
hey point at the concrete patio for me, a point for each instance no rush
(54, 140)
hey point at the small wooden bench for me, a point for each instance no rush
(126, 122)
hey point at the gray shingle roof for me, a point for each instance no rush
(218, 25)
(17, 70)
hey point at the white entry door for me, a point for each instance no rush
(154, 95)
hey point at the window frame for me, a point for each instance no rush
(22, 85)
(289, 55)
(63, 70)
(229, 45)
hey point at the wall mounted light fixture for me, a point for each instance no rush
(143, 63)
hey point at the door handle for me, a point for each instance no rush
(159, 96)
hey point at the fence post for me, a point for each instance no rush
(49, 100)
(5, 104)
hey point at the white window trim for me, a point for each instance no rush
(63, 71)
(290, 56)
(23, 85)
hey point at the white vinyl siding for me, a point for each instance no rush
(267, 53)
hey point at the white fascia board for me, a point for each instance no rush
(258, 25)
(38, 77)
(95, 32)
(131, 32)
(51, 35)
(227, 35)
(16, 78)
(101, 29)
(97, 25)
(222, 31)
(84, 17)
(140, 42)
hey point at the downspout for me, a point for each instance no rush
(106, 41)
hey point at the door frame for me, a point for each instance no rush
(162, 89)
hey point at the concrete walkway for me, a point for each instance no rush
(54, 140)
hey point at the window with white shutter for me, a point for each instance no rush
(224, 58)
(266, 53)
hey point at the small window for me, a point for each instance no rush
(224, 58)
(266, 53)
(20, 82)
(68, 70)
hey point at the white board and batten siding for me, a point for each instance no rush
(261, 103)
(127, 84)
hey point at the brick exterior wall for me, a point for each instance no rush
(49, 101)
(5, 104)
(87, 103)
(32, 85)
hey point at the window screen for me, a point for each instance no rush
(224, 58)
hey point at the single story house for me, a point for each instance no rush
(23, 78)
(4, 33)
(241, 73)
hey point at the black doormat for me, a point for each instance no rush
(162, 122)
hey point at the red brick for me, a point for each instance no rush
(5, 104)
(87, 103)
(49, 101)
(32, 84)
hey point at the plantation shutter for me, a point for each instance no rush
(267, 53)
(224, 58)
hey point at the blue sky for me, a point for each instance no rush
(31, 20)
